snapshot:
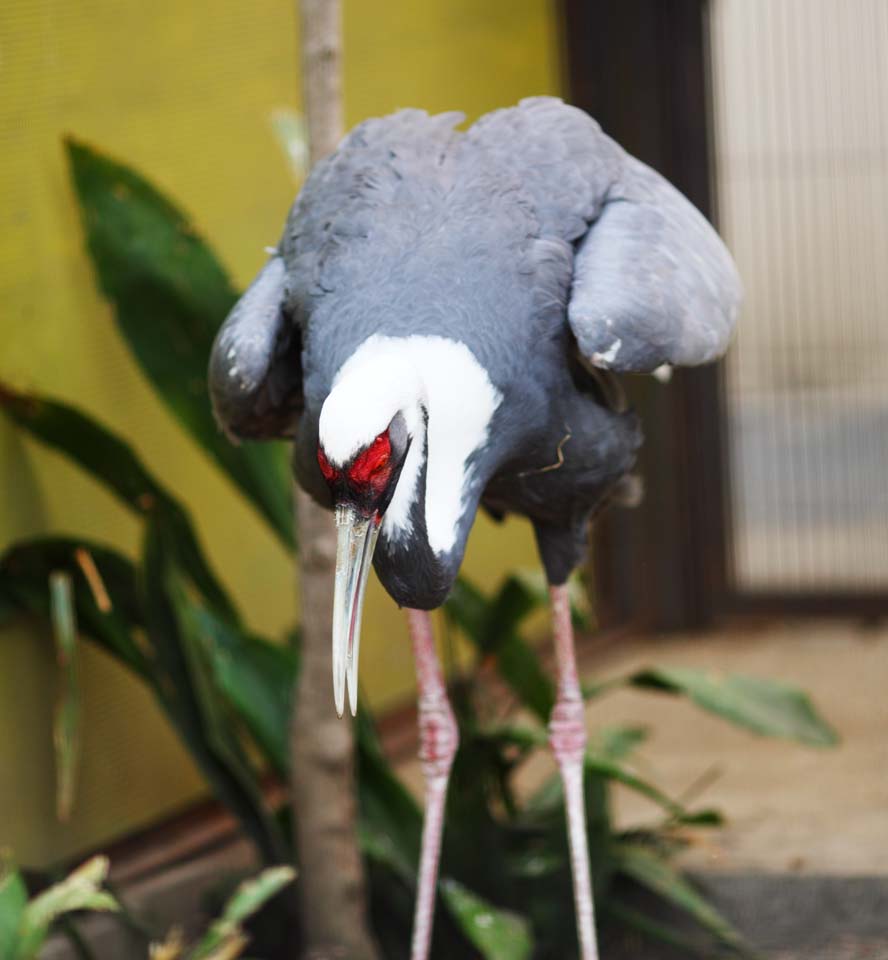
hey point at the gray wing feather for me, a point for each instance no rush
(653, 283)
(255, 374)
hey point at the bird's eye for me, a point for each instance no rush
(327, 469)
(372, 460)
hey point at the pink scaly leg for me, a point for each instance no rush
(567, 737)
(438, 740)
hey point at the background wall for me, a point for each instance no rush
(801, 144)
(185, 93)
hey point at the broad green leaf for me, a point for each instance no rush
(170, 295)
(389, 819)
(101, 453)
(81, 890)
(645, 867)
(600, 765)
(533, 579)
(249, 897)
(111, 461)
(611, 770)
(257, 678)
(188, 693)
(497, 934)
(466, 607)
(7, 608)
(492, 628)
(112, 613)
(13, 900)
(520, 667)
(617, 743)
(766, 707)
(104, 584)
(66, 727)
(507, 609)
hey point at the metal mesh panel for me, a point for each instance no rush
(801, 144)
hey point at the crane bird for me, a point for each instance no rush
(439, 329)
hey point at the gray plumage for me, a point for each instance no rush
(532, 238)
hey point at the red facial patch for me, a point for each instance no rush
(371, 467)
(327, 469)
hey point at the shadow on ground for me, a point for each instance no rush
(784, 917)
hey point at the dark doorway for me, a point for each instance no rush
(640, 68)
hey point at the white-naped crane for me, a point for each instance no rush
(438, 330)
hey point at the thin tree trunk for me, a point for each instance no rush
(333, 904)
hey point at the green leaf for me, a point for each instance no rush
(170, 295)
(766, 707)
(66, 728)
(104, 585)
(13, 900)
(188, 693)
(98, 451)
(617, 743)
(466, 607)
(81, 890)
(389, 819)
(602, 766)
(257, 678)
(613, 771)
(249, 897)
(533, 579)
(492, 628)
(111, 461)
(7, 608)
(123, 605)
(651, 871)
(498, 934)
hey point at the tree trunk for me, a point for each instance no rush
(331, 882)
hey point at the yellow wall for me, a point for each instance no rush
(184, 91)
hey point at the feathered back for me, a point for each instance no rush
(533, 212)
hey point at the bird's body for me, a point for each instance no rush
(438, 329)
(415, 230)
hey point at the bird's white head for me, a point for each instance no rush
(395, 404)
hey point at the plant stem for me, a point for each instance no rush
(331, 882)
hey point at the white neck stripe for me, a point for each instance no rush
(442, 377)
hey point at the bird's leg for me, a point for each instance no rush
(567, 737)
(438, 740)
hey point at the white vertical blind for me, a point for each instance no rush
(801, 142)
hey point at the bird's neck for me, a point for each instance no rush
(412, 572)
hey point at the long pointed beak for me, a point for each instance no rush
(354, 553)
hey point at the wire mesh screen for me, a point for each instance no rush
(801, 143)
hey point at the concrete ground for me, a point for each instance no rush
(801, 867)
(789, 808)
